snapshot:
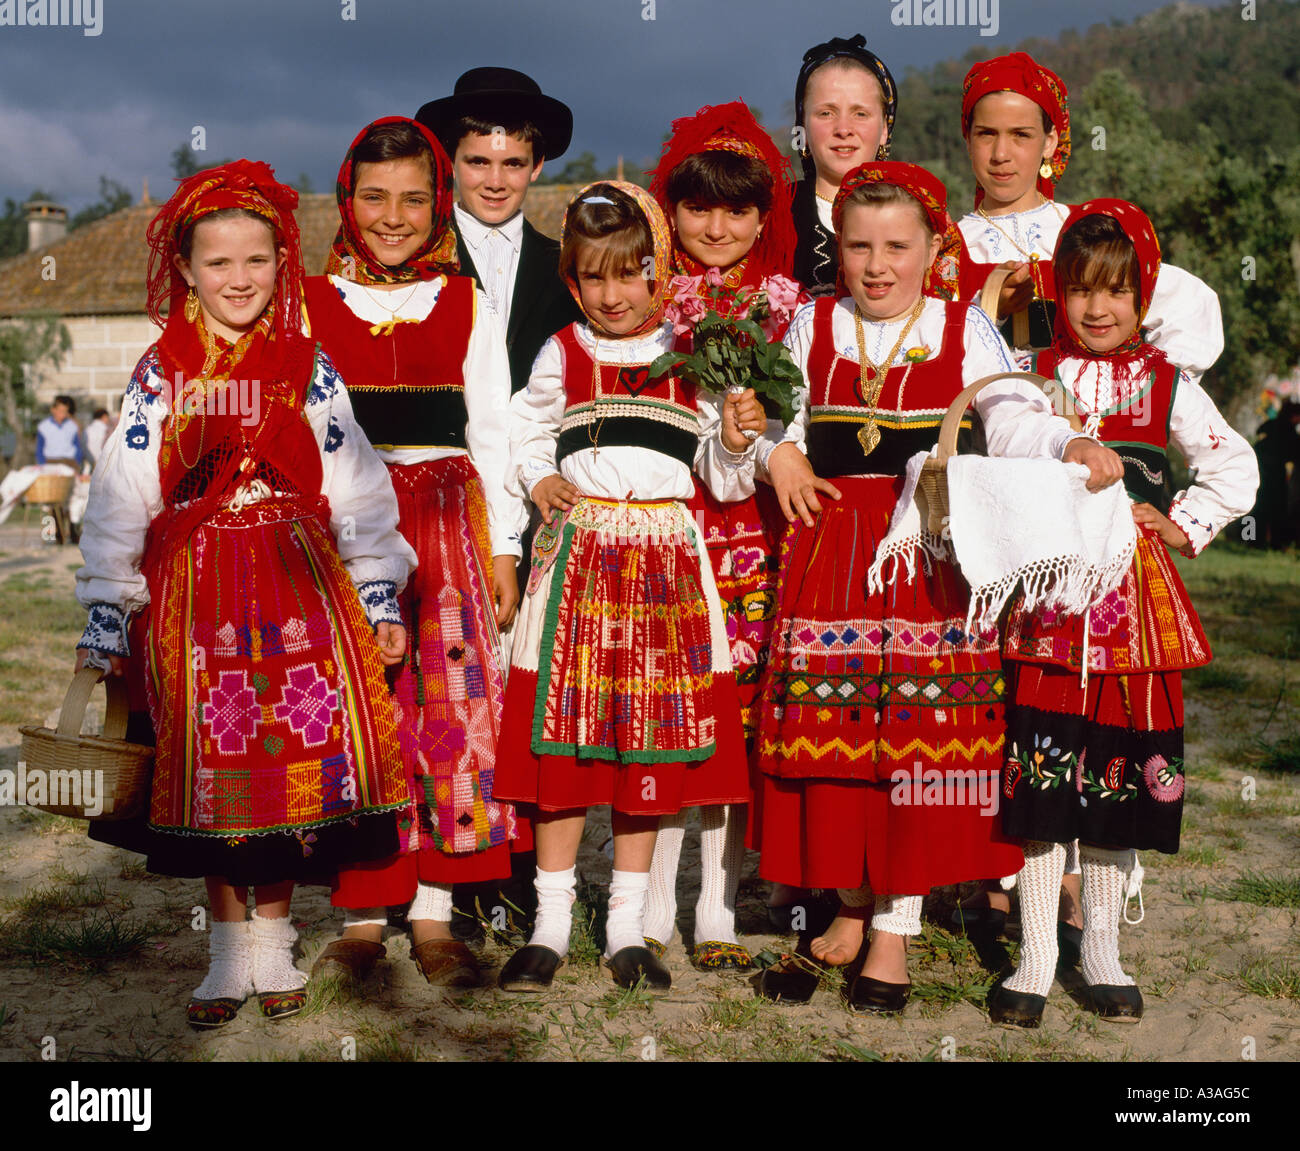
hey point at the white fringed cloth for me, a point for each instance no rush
(1018, 525)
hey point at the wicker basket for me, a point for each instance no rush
(49, 489)
(933, 482)
(120, 770)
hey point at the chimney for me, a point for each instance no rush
(46, 223)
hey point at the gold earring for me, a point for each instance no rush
(1045, 170)
(192, 306)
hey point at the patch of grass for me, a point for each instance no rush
(940, 996)
(54, 897)
(936, 944)
(1261, 888)
(90, 942)
(1221, 677)
(587, 943)
(1271, 978)
(1282, 755)
(855, 1054)
(1195, 857)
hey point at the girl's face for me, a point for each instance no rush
(716, 236)
(1101, 318)
(1007, 146)
(617, 297)
(885, 252)
(232, 267)
(393, 207)
(844, 116)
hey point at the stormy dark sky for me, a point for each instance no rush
(291, 81)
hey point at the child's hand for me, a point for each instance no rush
(117, 662)
(505, 587)
(554, 494)
(1147, 516)
(1017, 290)
(392, 643)
(1104, 466)
(796, 484)
(741, 412)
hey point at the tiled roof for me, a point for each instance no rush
(100, 269)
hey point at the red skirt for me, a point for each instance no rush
(881, 734)
(622, 625)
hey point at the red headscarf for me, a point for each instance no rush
(350, 256)
(1020, 73)
(929, 192)
(1131, 358)
(263, 353)
(732, 128)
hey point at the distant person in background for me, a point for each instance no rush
(845, 102)
(101, 423)
(1277, 445)
(58, 437)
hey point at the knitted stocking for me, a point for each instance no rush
(625, 923)
(722, 854)
(230, 962)
(556, 891)
(661, 897)
(897, 914)
(432, 901)
(273, 968)
(1040, 893)
(1104, 873)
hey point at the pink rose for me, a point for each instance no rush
(682, 288)
(713, 278)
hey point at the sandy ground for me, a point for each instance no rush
(1219, 975)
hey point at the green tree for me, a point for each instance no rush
(28, 347)
(13, 225)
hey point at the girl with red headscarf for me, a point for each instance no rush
(869, 687)
(1016, 122)
(725, 190)
(425, 360)
(621, 686)
(240, 501)
(1098, 757)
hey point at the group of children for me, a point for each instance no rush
(317, 605)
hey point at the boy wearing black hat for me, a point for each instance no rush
(498, 128)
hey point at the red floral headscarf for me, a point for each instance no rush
(1132, 356)
(350, 256)
(1020, 73)
(660, 236)
(185, 345)
(929, 192)
(732, 128)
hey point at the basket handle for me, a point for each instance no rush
(988, 303)
(74, 703)
(957, 409)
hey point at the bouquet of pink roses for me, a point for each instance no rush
(734, 338)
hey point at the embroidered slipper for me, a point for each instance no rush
(282, 1004)
(657, 949)
(205, 1014)
(715, 955)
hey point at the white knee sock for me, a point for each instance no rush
(230, 962)
(1104, 873)
(364, 917)
(1040, 896)
(661, 897)
(722, 854)
(432, 901)
(625, 924)
(897, 914)
(556, 891)
(273, 968)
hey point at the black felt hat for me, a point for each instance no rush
(504, 94)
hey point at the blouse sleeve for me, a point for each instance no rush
(798, 340)
(1018, 417)
(1184, 321)
(487, 434)
(1227, 472)
(536, 412)
(363, 506)
(125, 496)
(728, 475)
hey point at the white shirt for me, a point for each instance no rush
(126, 492)
(487, 398)
(617, 472)
(1184, 320)
(495, 252)
(1018, 417)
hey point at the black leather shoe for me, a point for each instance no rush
(1118, 1004)
(631, 964)
(1069, 945)
(990, 921)
(878, 997)
(789, 981)
(531, 968)
(1015, 1008)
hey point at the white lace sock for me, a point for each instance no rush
(897, 914)
(625, 924)
(365, 917)
(230, 962)
(556, 891)
(432, 901)
(1072, 857)
(661, 897)
(1040, 897)
(722, 855)
(1104, 873)
(273, 968)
